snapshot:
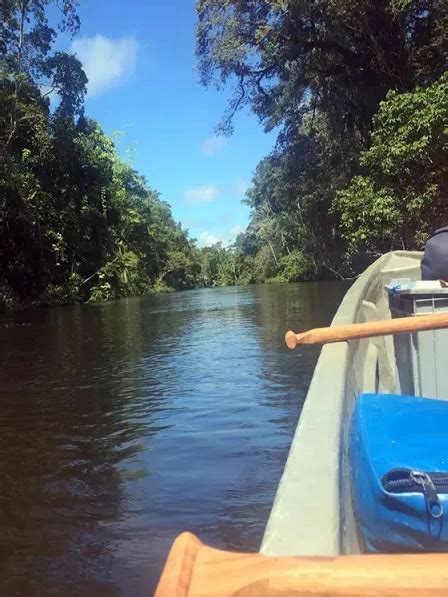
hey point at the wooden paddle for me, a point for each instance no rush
(195, 570)
(354, 331)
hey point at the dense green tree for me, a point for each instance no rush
(317, 70)
(221, 266)
(401, 194)
(288, 58)
(76, 223)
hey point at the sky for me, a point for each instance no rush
(144, 86)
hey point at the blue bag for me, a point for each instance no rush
(398, 454)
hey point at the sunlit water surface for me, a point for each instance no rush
(123, 424)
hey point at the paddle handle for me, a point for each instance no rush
(195, 570)
(354, 331)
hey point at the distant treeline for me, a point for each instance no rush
(357, 89)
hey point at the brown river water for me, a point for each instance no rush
(123, 424)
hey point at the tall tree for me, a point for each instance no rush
(402, 193)
(292, 57)
(76, 223)
(317, 70)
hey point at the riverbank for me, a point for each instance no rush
(9, 303)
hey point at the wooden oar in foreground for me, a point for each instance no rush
(195, 570)
(355, 331)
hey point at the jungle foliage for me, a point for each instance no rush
(358, 93)
(76, 222)
(356, 89)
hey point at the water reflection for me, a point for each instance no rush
(123, 424)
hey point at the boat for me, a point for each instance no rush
(312, 528)
(318, 451)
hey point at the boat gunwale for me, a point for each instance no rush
(309, 517)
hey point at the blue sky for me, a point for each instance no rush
(139, 56)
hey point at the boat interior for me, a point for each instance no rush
(312, 512)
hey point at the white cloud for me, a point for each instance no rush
(206, 239)
(107, 62)
(241, 186)
(212, 145)
(204, 194)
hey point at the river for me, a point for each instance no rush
(123, 424)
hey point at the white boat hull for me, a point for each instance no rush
(312, 513)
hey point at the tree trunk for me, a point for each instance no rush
(273, 252)
(13, 118)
